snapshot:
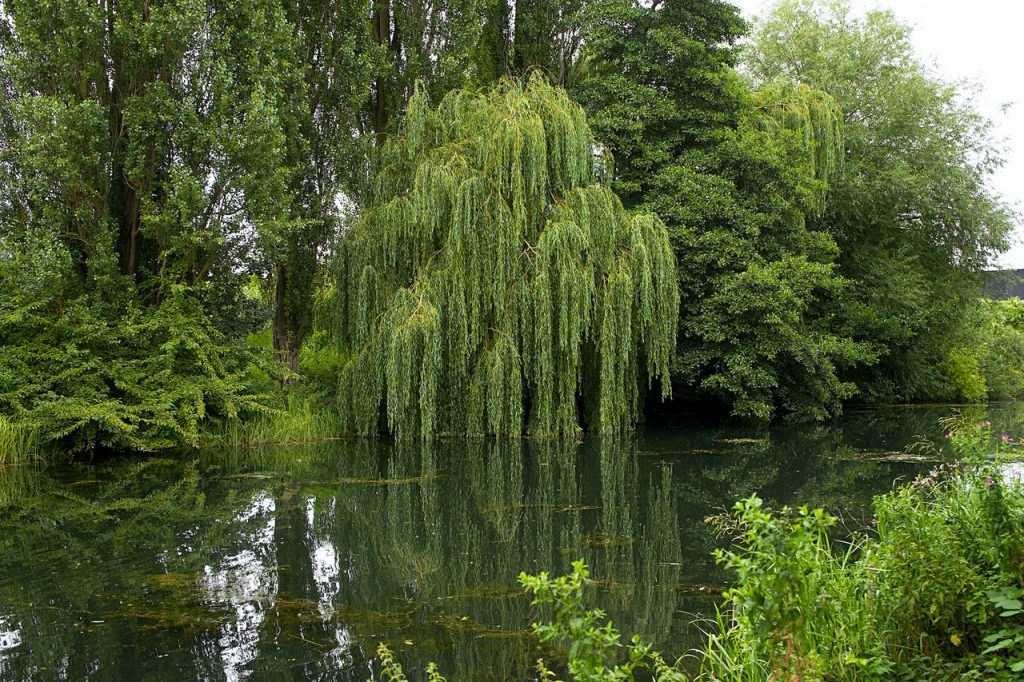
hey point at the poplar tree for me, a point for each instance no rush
(431, 42)
(141, 150)
(493, 287)
(323, 99)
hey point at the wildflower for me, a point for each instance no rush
(988, 481)
(1005, 438)
(949, 435)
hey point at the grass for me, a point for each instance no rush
(19, 443)
(301, 422)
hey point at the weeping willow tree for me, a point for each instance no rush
(815, 118)
(492, 286)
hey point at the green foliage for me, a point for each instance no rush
(302, 419)
(962, 369)
(658, 86)
(933, 595)
(433, 44)
(817, 235)
(913, 214)
(320, 366)
(143, 146)
(815, 119)
(391, 669)
(593, 647)
(334, 62)
(1005, 652)
(101, 374)
(760, 290)
(987, 361)
(491, 286)
(998, 336)
(779, 584)
(734, 173)
(141, 137)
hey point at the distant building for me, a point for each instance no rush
(1003, 284)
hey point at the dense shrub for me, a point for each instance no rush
(114, 375)
(934, 593)
(987, 360)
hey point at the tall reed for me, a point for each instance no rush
(302, 421)
(19, 443)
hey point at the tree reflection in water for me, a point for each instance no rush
(294, 563)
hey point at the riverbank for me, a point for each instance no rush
(934, 592)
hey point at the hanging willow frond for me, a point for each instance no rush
(493, 288)
(816, 118)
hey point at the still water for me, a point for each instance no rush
(294, 563)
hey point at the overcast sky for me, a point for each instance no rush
(979, 40)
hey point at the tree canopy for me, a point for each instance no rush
(493, 287)
(913, 214)
(734, 172)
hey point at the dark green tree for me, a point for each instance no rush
(658, 81)
(734, 173)
(144, 131)
(142, 146)
(323, 102)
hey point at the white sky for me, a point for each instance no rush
(979, 40)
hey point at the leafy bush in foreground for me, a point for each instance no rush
(935, 595)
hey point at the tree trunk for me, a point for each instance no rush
(125, 203)
(381, 24)
(286, 338)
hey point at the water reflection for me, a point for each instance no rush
(295, 563)
(327, 576)
(10, 639)
(245, 582)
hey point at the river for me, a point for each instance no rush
(283, 563)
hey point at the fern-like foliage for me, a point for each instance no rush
(118, 376)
